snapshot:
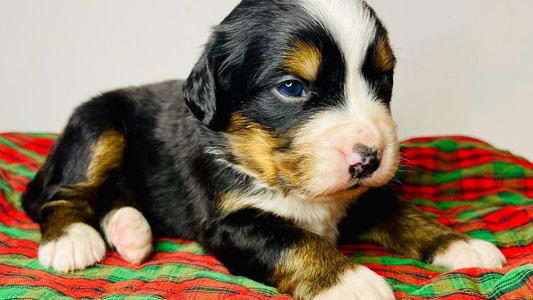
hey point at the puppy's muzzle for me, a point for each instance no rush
(363, 161)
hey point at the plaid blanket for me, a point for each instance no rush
(462, 182)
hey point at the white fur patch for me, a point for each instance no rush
(353, 28)
(470, 254)
(129, 233)
(358, 284)
(320, 216)
(79, 247)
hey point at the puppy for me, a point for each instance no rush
(278, 144)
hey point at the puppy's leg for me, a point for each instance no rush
(69, 193)
(271, 249)
(78, 170)
(380, 217)
(69, 242)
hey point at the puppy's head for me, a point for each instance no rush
(302, 91)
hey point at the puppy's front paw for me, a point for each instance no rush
(358, 284)
(470, 254)
(79, 247)
(128, 231)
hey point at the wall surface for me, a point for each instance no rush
(464, 67)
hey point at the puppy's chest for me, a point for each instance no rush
(319, 217)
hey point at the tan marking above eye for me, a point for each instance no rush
(384, 56)
(304, 60)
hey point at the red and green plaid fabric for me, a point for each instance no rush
(462, 182)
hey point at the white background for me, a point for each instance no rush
(464, 66)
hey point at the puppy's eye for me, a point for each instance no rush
(292, 89)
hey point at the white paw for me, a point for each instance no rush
(472, 253)
(79, 247)
(129, 233)
(358, 284)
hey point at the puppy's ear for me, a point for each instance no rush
(200, 91)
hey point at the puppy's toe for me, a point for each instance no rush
(79, 247)
(358, 284)
(129, 233)
(470, 254)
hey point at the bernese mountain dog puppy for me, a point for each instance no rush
(278, 146)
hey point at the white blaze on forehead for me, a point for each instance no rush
(353, 28)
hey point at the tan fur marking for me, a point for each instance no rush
(57, 203)
(107, 155)
(309, 268)
(412, 233)
(384, 55)
(77, 204)
(59, 217)
(230, 202)
(256, 149)
(304, 60)
(253, 146)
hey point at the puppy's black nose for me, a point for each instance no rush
(368, 162)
